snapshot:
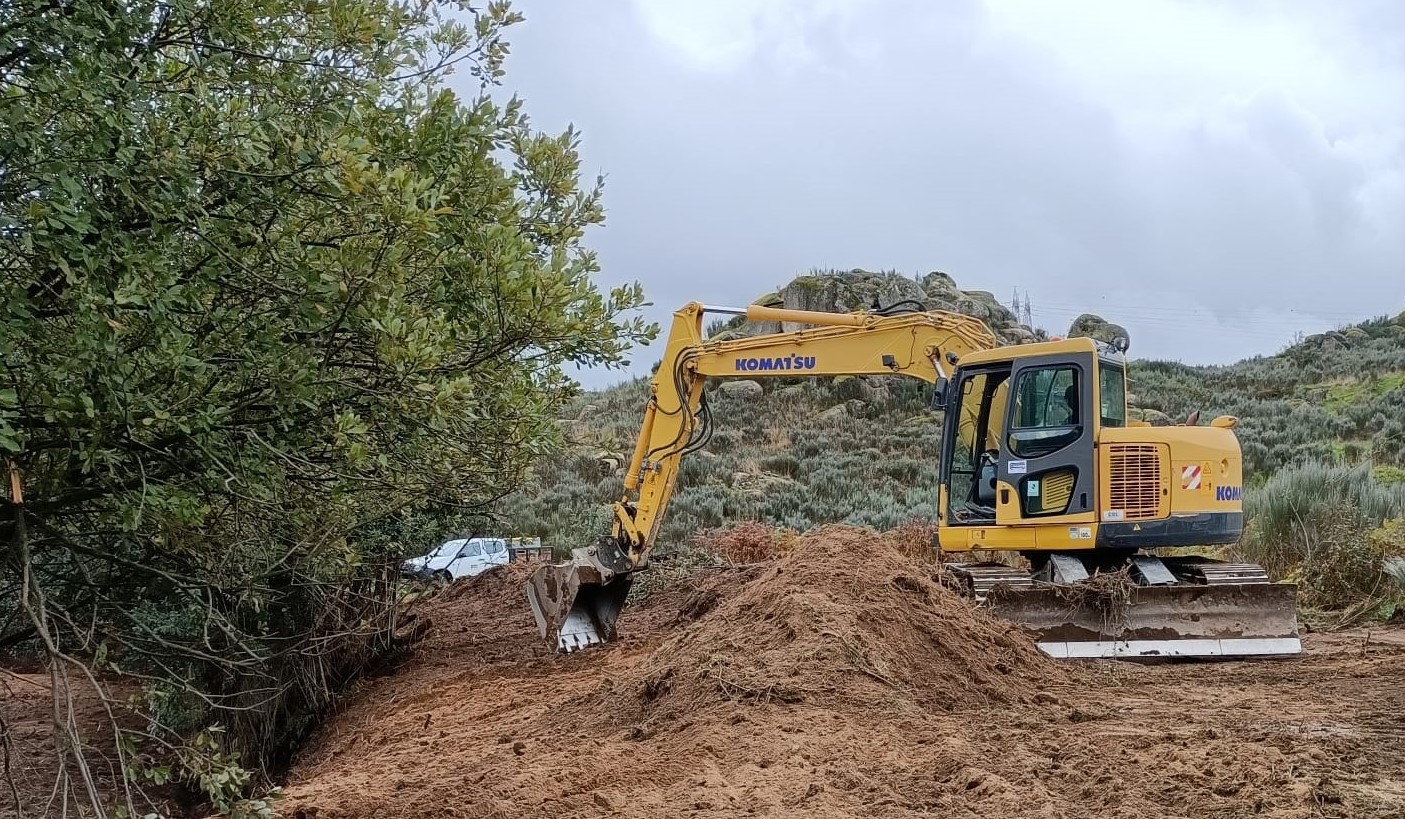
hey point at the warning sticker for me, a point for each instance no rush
(1190, 477)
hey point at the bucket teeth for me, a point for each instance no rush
(576, 604)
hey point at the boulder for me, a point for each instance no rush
(1156, 418)
(745, 389)
(1016, 335)
(849, 409)
(851, 387)
(938, 281)
(1354, 336)
(879, 389)
(1330, 341)
(609, 462)
(974, 308)
(1097, 327)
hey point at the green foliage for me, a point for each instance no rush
(1334, 528)
(275, 296)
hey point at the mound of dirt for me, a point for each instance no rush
(840, 680)
(481, 621)
(843, 619)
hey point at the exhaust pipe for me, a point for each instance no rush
(577, 603)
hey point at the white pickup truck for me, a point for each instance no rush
(461, 557)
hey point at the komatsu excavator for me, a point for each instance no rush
(1037, 458)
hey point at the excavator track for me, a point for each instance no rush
(977, 579)
(1159, 608)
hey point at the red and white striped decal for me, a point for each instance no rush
(1190, 477)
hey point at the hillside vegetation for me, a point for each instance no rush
(1334, 397)
(1320, 422)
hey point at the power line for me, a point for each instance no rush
(1155, 309)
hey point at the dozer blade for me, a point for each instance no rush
(576, 604)
(1184, 620)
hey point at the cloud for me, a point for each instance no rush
(1224, 174)
(727, 35)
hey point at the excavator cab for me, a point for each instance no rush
(1040, 462)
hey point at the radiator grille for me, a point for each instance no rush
(1136, 481)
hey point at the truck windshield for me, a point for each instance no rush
(446, 549)
(1112, 387)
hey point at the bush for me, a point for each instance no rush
(1334, 529)
(746, 542)
(1283, 510)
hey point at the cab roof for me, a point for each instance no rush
(1065, 346)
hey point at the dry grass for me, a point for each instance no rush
(746, 542)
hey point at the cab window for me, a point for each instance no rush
(1112, 395)
(975, 446)
(1047, 397)
(473, 549)
(1046, 413)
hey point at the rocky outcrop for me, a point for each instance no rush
(741, 389)
(854, 290)
(1097, 327)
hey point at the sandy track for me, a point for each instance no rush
(771, 692)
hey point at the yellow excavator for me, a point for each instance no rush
(1038, 458)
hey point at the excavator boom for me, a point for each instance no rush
(577, 603)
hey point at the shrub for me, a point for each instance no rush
(1282, 511)
(914, 539)
(1334, 529)
(745, 542)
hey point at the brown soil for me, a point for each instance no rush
(35, 782)
(841, 680)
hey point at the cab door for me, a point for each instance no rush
(1047, 471)
(970, 446)
(470, 559)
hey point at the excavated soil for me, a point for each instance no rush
(842, 681)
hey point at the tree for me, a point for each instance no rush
(269, 282)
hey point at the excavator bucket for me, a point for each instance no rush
(1177, 607)
(577, 603)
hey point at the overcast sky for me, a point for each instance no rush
(1215, 176)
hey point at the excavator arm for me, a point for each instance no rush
(578, 602)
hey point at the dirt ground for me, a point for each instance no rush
(842, 681)
(33, 784)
